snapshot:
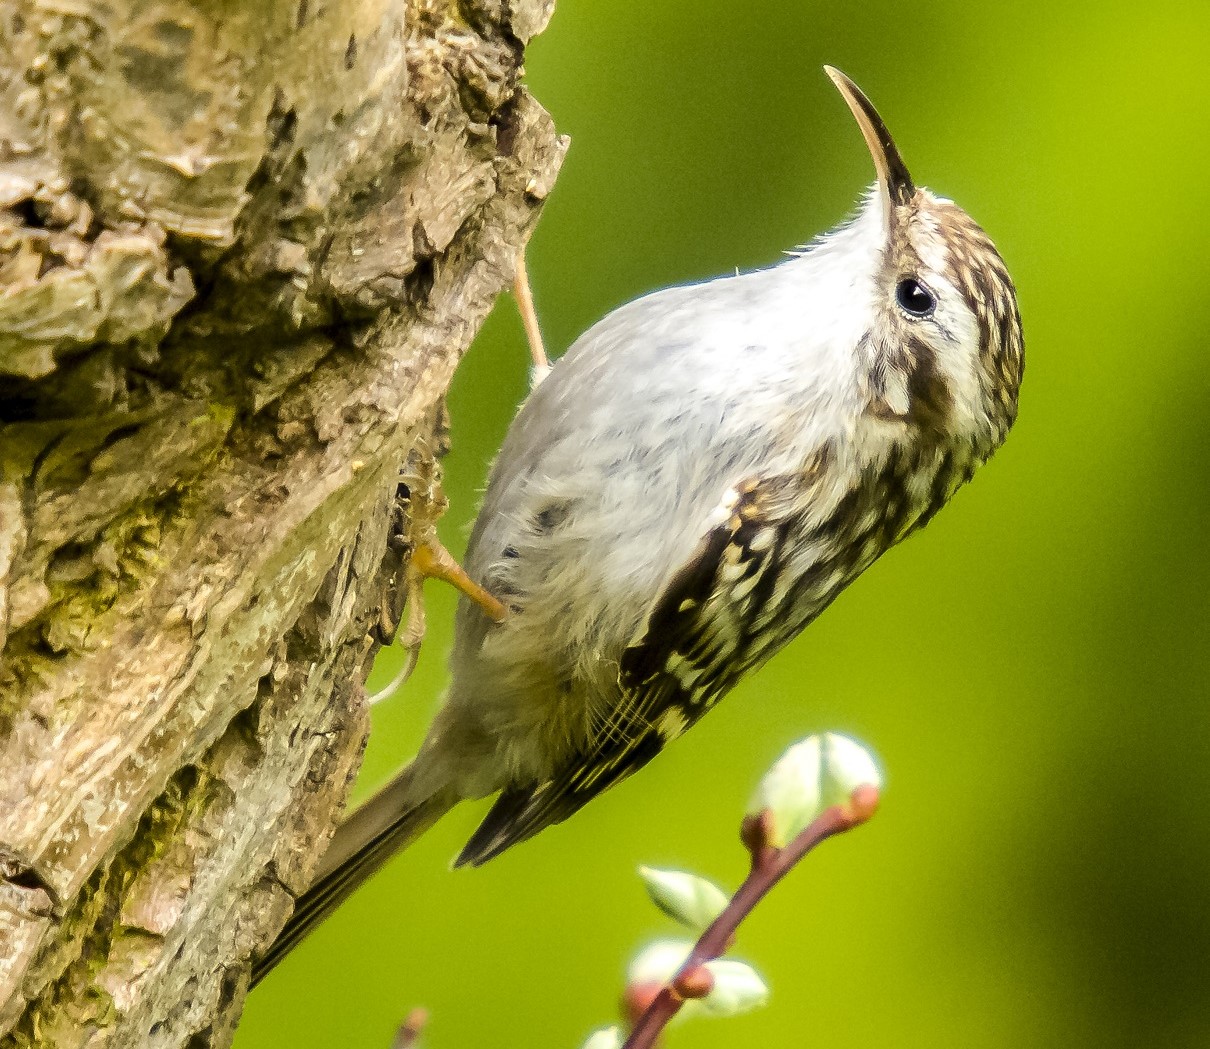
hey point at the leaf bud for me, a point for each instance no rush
(811, 777)
(738, 988)
(605, 1038)
(684, 897)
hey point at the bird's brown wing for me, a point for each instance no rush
(706, 628)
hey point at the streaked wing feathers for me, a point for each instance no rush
(698, 640)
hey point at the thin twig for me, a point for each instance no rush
(409, 1031)
(529, 318)
(769, 866)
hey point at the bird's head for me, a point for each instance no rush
(944, 345)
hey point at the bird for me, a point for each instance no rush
(687, 488)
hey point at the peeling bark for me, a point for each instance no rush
(242, 249)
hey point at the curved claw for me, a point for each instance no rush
(428, 560)
(400, 679)
(413, 635)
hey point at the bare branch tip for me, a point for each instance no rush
(696, 981)
(863, 804)
(638, 998)
(756, 832)
(410, 1030)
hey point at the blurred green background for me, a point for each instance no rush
(1032, 669)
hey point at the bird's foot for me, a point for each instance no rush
(417, 554)
(431, 560)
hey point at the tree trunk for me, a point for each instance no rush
(242, 248)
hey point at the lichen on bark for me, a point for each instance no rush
(242, 249)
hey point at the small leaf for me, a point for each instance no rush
(658, 962)
(684, 897)
(789, 792)
(738, 988)
(809, 778)
(847, 766)
(605, 1038)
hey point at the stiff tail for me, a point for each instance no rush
(383, 826)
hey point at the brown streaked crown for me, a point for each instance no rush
(972, 265)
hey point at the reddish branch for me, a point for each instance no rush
(769, 866)
(409, 1032)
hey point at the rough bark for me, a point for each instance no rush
(242, 248)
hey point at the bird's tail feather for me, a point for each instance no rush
(362, 844)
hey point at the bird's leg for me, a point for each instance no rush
(431, 560)
(413, 545)
(529, 318)
(418, 554)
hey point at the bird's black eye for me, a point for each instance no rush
(915, 298)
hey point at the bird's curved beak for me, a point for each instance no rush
(893, 174)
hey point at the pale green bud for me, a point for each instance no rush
(658, 962)
(605, 1038)
(809, 778)
(737, 989)
(684, 897)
